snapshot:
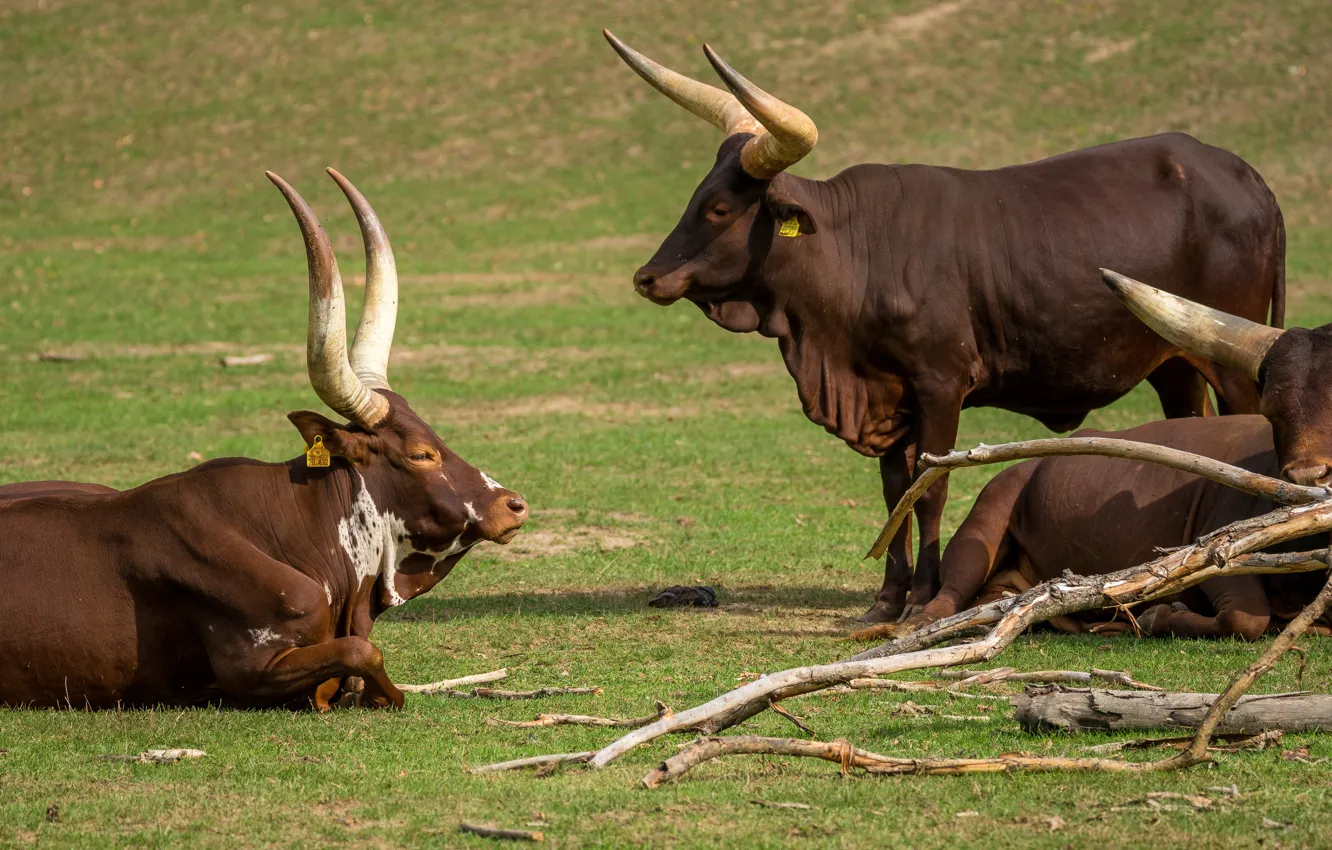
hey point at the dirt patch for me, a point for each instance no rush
(543, 542)
(567, 405)
(888, 34)
(1108, 49)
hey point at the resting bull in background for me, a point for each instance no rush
(244, 582)
(1096, 515)
(900, 295)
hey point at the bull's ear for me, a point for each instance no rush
(785, 209)
(340, 440)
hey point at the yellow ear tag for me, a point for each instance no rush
(790, 227)
(317, 455)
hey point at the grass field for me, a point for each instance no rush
(524, 174)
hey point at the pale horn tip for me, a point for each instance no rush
(1117, 282)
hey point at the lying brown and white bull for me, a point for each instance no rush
(901, 294)
(244, 582)
(1096, 515)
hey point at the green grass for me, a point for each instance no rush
(524, 174)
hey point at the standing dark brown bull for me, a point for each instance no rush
(244, 582)
(1095, 515)
(900, 295)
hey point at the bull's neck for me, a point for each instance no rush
(815, 288)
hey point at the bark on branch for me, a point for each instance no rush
(1082, 709)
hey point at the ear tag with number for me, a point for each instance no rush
(790, 227)
(317, 455)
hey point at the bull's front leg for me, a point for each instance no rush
(895, 468)
(273, 677)
(936, 435)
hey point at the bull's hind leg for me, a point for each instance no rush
(1241, 606)
(1181, 388)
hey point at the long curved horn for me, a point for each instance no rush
(1198, 329)
(326, 337)
(379, 314)
(710, 103)
(790, 133)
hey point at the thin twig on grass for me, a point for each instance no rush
(502, 834)
(1230, 741)
(582, 720)
(534, 761)
(450, 684)
(539, 693)
(1070, 677)
(842, 753)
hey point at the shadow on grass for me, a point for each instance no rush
(748, 599)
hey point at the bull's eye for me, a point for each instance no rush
(421, 457)
(719, 211)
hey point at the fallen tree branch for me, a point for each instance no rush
(582, 720)
(1229, 741)
(450, 684)
(1071, 677)
(534, 761)
(1055, 707)
(842, 753)
(495, 693)
(937, 466)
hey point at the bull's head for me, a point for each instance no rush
(430, 504)
(1290, 366)
(727, 231)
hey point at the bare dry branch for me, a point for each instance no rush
(1282, 492)
(1070, 677)
(1230, 741)
(1043, 708)
(450, 684)
(842, 753)
(534, 761)
(582, 720)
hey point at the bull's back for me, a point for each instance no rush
(1022, 246)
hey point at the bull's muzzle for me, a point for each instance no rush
(663, 289)
(505, 518)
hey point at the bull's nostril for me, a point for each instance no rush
(643, 279)
(517, 505)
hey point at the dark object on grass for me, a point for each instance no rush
(502, 834)
(679, 596)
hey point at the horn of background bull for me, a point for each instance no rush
(379, 314)
(790, 133)
(1198, 329)
(710, 103)
(330, 372)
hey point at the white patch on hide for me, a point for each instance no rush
(472, 514)
(377, 543)
(328, 591)
(491, 483)
(265, 637)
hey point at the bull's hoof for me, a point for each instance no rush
(910, 611)
(882, 612)
(883, 631)
(1155, 620)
